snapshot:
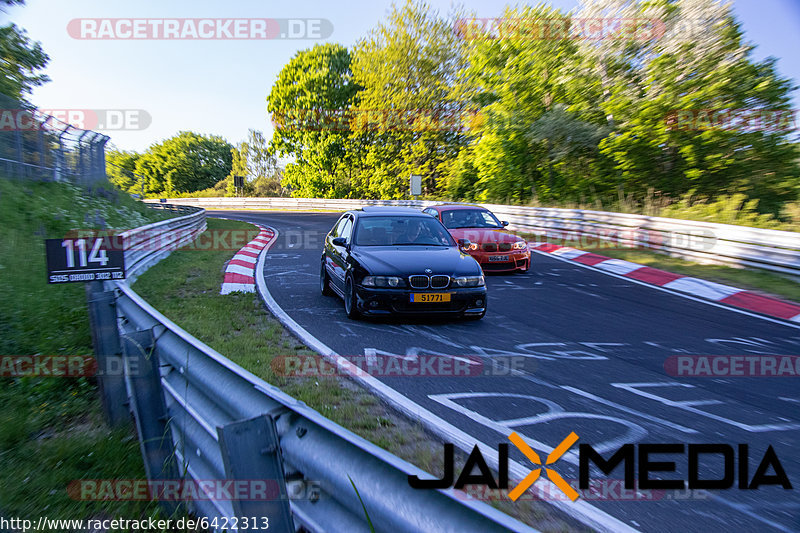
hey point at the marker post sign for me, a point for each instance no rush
(416, 185)
(76, 260)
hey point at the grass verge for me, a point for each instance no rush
(51, 429)
(185, 287)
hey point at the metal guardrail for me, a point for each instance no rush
(200, 416)
(774, 250)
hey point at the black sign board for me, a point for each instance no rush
(75, 260)
(238, 181)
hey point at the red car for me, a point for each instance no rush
(494, 247)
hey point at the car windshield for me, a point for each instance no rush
(401, 231)
(469, 218)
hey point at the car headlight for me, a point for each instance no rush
(469, 281)
(472, 246)
(383, 281)
(520, 245)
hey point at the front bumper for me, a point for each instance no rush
(517, 260)
(385, 301)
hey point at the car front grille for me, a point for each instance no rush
(487, 267)
(505, 246)
(440, 282)
(424, 282)
(490, 247)
(418, 282)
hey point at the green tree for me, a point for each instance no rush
(20, 62)
(238, 168)
(121, 169)
(524, 76)
(261, 162)
(407, 68)
(185, 163)
(254, 161)
(690, 67)
(314, 87)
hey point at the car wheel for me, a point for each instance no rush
(324, 281)
(350, 299)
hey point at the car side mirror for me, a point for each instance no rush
(339, 241)
(464, 243)
(504, 223)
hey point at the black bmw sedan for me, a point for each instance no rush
(384, 260)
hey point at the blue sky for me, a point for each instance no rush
(220, 86)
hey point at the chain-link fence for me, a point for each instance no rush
(37, 146)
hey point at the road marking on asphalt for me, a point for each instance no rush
(555, 411)
(689, 406)
(752, 344)
(597, 345)
(625, 409)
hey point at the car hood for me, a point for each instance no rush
(483, 235)
(406, 260)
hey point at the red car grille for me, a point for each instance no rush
(490, 247)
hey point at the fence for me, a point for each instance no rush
(199, 416)
(37, 146)
(777, 251)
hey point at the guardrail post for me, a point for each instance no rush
(250, 451)
(107, 353)
(149, 408)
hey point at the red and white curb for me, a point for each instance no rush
(724, 294)
(239, 274)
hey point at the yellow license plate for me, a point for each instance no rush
(430, 297)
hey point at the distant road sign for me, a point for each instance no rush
(416, 185)
(79, 260)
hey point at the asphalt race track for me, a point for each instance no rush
(592, 349)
